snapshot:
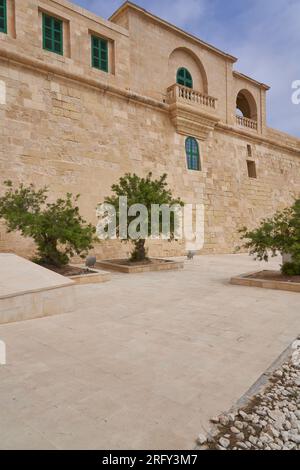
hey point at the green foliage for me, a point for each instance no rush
(280, 233)
(145, 191)
(291, 269)
(57, 228)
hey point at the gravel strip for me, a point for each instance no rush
(270, 420)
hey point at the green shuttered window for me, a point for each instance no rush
(184, 78)
(192, 154)
(3, 16)
(99, 53)
(52, 34)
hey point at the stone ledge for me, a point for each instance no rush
(28, 290)
(245, 280)
(96, 277)
(37, 65)
(19, 276)
(166, 265)
(37, 304)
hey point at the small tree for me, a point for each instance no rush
(280, 233)
(144, 191)
(57, 228)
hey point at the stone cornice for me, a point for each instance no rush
(251, 80)
(258, 138)
(51, 69)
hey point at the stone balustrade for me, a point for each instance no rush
(187, 95)
(246, 122)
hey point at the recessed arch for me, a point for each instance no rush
(182, 57)
(246, 105)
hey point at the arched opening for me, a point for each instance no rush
(184, 77)
(183, 58)
(246, 105)
(192, 154)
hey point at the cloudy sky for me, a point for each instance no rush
(263, 34)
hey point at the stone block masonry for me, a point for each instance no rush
(75, 128)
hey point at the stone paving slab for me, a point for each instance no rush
(144, 361)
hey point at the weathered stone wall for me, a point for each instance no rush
(234, 200)
(78, 130)
(151, 58)
(73, 138)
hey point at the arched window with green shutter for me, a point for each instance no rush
(184, 77)
(192, 154)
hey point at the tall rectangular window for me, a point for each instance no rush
(192, 154)
(52, 34)
(100, 53)
(251, 169)
(3, 16)
(249, 151)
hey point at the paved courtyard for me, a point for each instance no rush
(145, 360)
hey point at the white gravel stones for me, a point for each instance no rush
(239, 425)
(241, 445)
(224, 442)
(243, 414)
(224, 420)
(215, 419)
(231, 417)
(295, 438)
(278, 373)
(253, 440)
(201, 439)
(271, 420)
(234, 430)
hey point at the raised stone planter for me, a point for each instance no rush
(257, 279)
(95, 277)
(122, 266)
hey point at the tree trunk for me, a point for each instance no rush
(139, 252)
(49, 253)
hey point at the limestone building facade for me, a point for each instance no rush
(84, 100)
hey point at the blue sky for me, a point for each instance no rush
(263, 34)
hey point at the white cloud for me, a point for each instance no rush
(102, 8)
(183, 13)
(179, 12)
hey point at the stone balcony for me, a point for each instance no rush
(188, 95)
(192, 112)
(246, 123)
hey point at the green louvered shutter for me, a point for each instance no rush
(3, 16)
(52, 34)
(99, 53)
